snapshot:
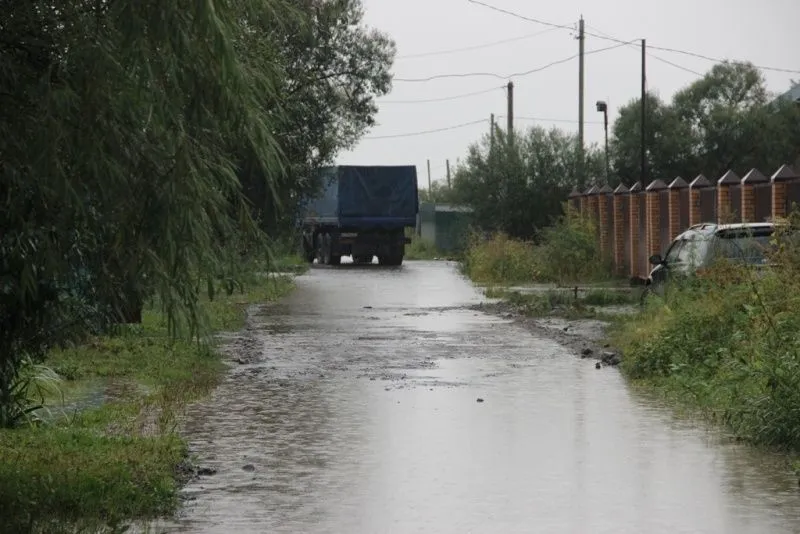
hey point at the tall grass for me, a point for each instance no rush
(727, 343)
(501, 259)
(120, 458)
(422, 249)
(567, 252)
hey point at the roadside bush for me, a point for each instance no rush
(727, 343)
(567, 252)
(422, 249)
(500, 260)
(570, 251)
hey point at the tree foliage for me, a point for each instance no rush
(337, 68)
(126, 132)
(518, 187)
(725, 120)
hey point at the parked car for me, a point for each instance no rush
(701, 245)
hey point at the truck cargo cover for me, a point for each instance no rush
(366, 195)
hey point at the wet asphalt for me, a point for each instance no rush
(376, 400)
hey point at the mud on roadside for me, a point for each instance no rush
(585, 337)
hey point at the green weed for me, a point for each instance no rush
(565, 253)
(422, 249)
(120, 460)
(726, 343)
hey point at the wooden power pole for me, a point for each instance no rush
(581, 156)
(644, 112)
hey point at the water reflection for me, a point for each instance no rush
(358, 416)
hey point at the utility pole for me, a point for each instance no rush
(430, 191)
(581, 157)
(510, 117)
(644, 112)
(449, 185)
(491, 136)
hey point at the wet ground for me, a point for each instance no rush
(376, 400)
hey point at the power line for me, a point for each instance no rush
(426, 132)
(475, 47)
(657, 58)
(614, 39)
(546, 119)
(466, 124)
(681, 67)
(444, 99)
(517, 15)
(513, 75)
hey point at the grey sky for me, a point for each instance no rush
(764, 32)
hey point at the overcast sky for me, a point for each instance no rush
(765, 32)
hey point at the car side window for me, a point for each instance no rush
(694, 250)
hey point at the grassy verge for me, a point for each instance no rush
(423, 249)
(119, 458)
(725, 345)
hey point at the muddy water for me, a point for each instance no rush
(356, 412)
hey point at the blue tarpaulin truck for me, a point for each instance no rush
(362, 212)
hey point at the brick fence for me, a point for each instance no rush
(638, 221)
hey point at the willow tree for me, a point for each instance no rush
(118, 123)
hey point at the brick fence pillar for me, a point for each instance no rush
(749, 182)
(591, 202)
(780, 185)
(619, 228)
(675, 188)
(695, 188)
(654, 216)
(603, 197)
(634, 205)
(724, 184)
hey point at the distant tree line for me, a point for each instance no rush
(725, 120)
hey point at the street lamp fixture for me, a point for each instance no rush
(602, 107)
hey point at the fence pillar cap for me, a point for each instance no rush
(636, 187)
(621, 190)
(604, 190)
(754, 177)
(656, 185)
(729, 178)
(700, 182)
(784, 174)
(591, 191)
(574, 193)
(678, 183)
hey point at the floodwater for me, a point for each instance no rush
(356, 411)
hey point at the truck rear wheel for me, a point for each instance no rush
(309, 251)
(325, 249)
(394, 258)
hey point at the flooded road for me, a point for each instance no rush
(355, 410)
